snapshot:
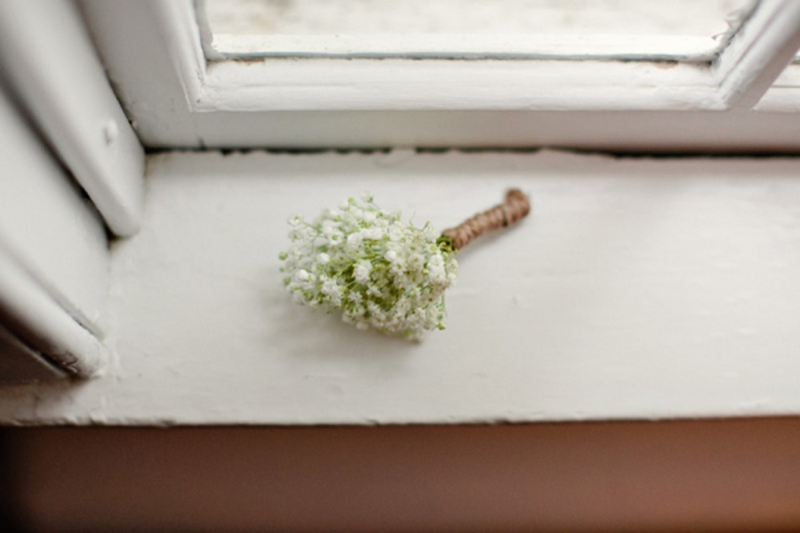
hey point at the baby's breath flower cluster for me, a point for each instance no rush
(378, 271)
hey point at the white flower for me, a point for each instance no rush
(361, 273)
(415, 261)
(332, 291)
(354, 241)
(396, 232)
(355, 297)
(378, 271)
(373, 233)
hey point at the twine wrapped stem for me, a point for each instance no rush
(515, 208)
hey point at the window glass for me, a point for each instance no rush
(679, 28)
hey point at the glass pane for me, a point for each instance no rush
(678, 29)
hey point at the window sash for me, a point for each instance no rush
(54, 262)
(179, 99)
(51, 65)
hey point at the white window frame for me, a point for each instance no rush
(62, 134)
(50, 63)
(177, 98)
(181, 374)
(53, 256)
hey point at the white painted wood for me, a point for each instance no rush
(50, 61)
(759, 52)
(53, 253)
(467, 46)
(32, 314)
(155, 75)
(154, 27)
(637, 288)
(784, 95)
(177, 103)
(153, 92)
(168, 27)
(20, 364)
(48, 226)
(643, 132)
(402, 85)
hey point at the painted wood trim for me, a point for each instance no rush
(179, 101)
(155, 79)
(758, 53)
(36, 317)
(50, 61)
(784, 95)
(466, 47)
(636, 289)
(404, 85)
(179, 29)
(54, 252)
(352, 85)
(644, 132)
(46, 223)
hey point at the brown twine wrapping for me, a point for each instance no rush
(515, 208)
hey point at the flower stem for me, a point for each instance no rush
(515, 208)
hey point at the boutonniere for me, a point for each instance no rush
(379, 271)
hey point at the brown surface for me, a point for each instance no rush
(706, 475)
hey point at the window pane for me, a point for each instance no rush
(679, 29)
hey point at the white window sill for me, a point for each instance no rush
(636, 289)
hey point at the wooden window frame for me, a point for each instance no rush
(183, 100)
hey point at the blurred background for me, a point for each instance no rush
(723, 475)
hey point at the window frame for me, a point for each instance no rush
(176, 98)
(125, 390)
(51, 66)
(54, 261)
